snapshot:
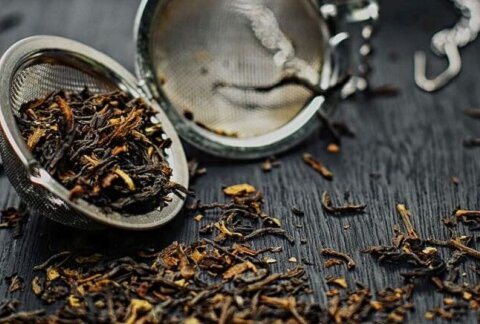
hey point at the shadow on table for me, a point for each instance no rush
(112, 242)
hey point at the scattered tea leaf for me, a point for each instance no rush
(332, 262)
(345, 209)
(15, 283)
(340, 255)
(339, 281)
(239, 190)
(36, 286)
(333, 148)
(317, 166)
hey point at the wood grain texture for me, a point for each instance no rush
(414, 141)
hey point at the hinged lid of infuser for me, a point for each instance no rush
(235, 76)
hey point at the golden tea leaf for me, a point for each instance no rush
(119, 149)
(126, 178)
(463, 212)
(137, 306)
(467, 295)
(407, 220)
(339, 281)
(76, 191)
(192, 320)
(429, 250)
(225, 231)
(242, 249)
(239, 189)
(285, 303)
(429, 316)
(66, 110)
(196, 256)
(181, 283)
(187, 271)
(74, 301)
(396, 317)
(35, 138)
(376, 305)
(36, 286)
(52, 273)
(449, 301)
(239, 269)
(100, 304)
(317, 166)
(333, 148)
(269, 260)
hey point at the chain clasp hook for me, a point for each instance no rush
(454, 66)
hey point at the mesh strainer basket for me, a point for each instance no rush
(224, 74)
(33, 68)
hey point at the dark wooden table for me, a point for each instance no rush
(413, 141)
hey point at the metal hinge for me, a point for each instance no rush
(145, 90)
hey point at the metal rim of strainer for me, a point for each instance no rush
(281, 139)
(43, 49)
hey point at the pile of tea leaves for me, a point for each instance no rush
(104, 148)
(423, 263)
(220, 278)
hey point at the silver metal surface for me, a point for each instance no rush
(34, 67)
(187, 51)
(447, 42)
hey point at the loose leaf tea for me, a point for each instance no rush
(469, 217)
(340, 255)
(104, 148)
(269, 164)
(333, 148)
(243, 218)
(390, 305)
(317, 166)
(239, 189)
(406, 218)
(209, 281)
(14, 218)
(195, 170)
(226, 280)
(15, 283)
(473, 113)
(471, 142)
(421, 256)
(180, 283)
(348, 208)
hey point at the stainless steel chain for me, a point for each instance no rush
(447, 43)
(360, 82)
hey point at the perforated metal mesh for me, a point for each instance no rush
(205, 51)
(39, 80)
